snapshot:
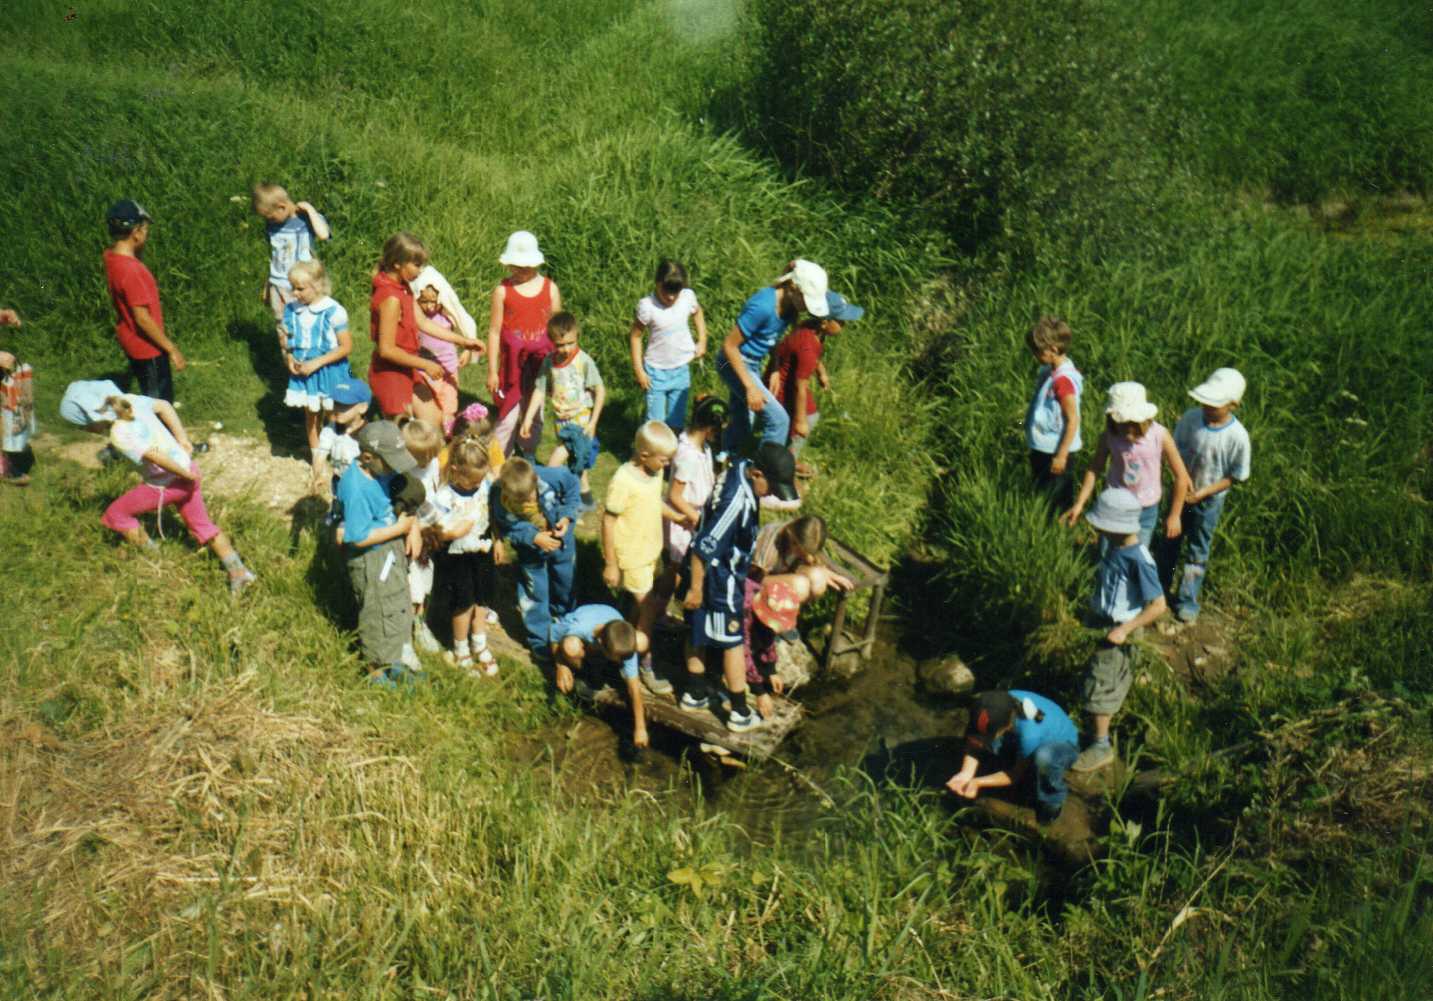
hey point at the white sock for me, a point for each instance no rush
(460, 647)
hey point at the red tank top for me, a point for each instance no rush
(523, 342)
(386, 287)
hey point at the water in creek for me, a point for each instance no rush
(875, 719)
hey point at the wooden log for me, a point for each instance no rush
(705, 726)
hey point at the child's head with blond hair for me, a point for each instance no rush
(468, 464)
(272, 202)
(653, 446)
(423, 441)
(310, 274)
(517, 483)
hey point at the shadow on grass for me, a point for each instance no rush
(284, 433)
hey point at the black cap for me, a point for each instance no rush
(710, 411)
(126, 214)
(990, 713)
(779, 467)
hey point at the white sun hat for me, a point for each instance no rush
(522, 251)
(1128, 404)
(1224, 387)
(1116, 510)
(810, 281)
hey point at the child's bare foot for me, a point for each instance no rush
(563, 677)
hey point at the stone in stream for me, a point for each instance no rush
(945, 676)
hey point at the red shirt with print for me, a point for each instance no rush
(131, 285)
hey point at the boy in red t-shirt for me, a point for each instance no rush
(139, 320)
(796, 361)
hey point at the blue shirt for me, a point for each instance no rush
(761, 325)
(558, 495)
(583, 622)
(1125, 581)
(1028, 736)
(365, 505)
(726, 537)
(290, 241)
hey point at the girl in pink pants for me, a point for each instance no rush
(149, 433)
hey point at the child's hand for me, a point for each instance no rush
(800, 428)
(611, 575)
(590, 428)
(1057, 464)
(547, 542)
(1071, 518)
(693, 600)
(639, 735)
(476, 346)
(524, 429)
(1118, 635)
(9, 318)
(824, 379)
(560, 529)
(643, 380)
(493, 385)
(292, 365)
(693, 520)
(1173, 526)
(176, 358)
(755, 401)
(432, 369)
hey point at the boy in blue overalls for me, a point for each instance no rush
(533, 509)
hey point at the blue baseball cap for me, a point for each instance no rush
(842, 311)
(351, 391)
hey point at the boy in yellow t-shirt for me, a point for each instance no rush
(632, 529)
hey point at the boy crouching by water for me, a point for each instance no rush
(599, 637)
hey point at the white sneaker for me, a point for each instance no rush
(410, 658)
(741, 723)
(424, 639)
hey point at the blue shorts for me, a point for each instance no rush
(715, 630)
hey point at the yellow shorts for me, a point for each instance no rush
(639, 580)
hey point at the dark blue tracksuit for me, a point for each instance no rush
(724, 541)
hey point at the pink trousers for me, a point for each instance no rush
(122, 515)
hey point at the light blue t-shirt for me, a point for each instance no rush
(583, 622)
(290, 241)
(1029, 736)
(761, 325)
(1125, 581)
(1211, 453)
(365, 505)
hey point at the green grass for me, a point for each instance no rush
(197, 798)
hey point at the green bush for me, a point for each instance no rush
(991, 120)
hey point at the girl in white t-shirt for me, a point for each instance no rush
(148, 433)
(465, 565)
(665, 372)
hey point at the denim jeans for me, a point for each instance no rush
(1198, 521)
(667, 398)
(544, 594)
(1051, 762)
(775, 424)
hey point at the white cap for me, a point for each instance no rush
(1128, 404)
(522, 251)
(810, 281)
(1116, 510)
(1224, 387)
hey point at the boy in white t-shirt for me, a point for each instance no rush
(665, 373)
(1215, 448)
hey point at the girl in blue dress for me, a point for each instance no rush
(316, 346)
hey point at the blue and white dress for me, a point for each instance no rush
(313, 332)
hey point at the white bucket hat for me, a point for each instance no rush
(522, 251)
(1116, 510)
(1128, 403)
(1225, 386)
(810, 281)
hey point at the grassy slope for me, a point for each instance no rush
(196, 799)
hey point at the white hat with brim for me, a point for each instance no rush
(1116, 511)
(84, 402)
(810, 280)
(1224, 387)
(522, 251)
(1128, 404)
